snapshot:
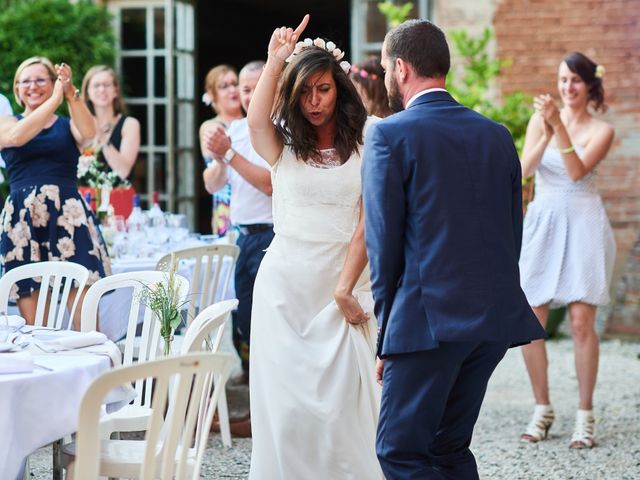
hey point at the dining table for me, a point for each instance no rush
(41, 388)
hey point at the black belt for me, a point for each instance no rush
(254, 228)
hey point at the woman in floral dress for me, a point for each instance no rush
(44, 217)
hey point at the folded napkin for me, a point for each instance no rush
(78, 340)
(69, 339)
(16, 322)
(18, 362)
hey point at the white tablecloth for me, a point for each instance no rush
(41, 407)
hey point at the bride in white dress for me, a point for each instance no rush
(314, 399)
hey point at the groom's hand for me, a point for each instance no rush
(379, 370)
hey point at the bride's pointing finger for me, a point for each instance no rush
(302, 26)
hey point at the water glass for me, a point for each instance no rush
(5, 329)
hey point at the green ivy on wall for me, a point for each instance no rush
(471, 79)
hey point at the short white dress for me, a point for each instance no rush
(568, 247)
(314, 399)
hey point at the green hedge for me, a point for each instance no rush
(78, 34)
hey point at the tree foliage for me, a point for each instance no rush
(471, 85)
(78, 34)
(395, 13)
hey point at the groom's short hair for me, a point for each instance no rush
(423, 45)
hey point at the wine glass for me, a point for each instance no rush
(178, 224)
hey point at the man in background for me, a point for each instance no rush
(236, 162)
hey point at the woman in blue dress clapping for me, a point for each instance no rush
(44, 217)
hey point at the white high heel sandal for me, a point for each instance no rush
(583, 431)
(541, 421)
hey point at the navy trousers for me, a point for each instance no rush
(252, 250)
(430, 404)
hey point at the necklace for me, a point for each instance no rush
(106, 128)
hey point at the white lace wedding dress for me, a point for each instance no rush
(314, 399)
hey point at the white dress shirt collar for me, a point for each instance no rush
(422, 92)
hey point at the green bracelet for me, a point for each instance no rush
(569, 149)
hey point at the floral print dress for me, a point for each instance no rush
(44, 217)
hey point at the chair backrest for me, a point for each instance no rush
(58, 278)
(175, 442)
(212, 270)
(136, 282)
(210, 322)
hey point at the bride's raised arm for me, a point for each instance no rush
(264, 137)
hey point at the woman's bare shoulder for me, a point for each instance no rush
(601, 127)
(131, 122)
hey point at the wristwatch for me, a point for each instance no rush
(228, 156)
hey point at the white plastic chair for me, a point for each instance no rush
(132, 417)
(205, 333)
(208, 284)
(58, 278)
(174, 444)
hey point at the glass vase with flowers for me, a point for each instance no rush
(165, 301)
(94, 173)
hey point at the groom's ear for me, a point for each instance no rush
(402, 69)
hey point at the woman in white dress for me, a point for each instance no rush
(568, 248)
(314, 399)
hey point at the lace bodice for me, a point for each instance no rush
(311, 203)
(316, 204)
(330, 159)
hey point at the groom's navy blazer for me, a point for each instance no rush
(443, 225)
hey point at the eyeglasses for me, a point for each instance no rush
(224, 86)
(38, 82)
(98, 86)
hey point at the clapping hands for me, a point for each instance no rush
(63, 71)
(546, 107)
(216, 141)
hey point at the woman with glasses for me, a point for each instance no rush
(44, 217)
(118, 135)
(223, 95)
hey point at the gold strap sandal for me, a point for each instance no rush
(540, 423)
(583, 431)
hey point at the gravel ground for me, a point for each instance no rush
(506, 411)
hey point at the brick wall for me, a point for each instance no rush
(535, 35)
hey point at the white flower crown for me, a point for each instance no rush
(600, 71)
(320, 43)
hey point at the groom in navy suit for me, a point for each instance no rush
(443, 224)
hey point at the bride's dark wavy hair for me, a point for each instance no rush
(294, 129)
